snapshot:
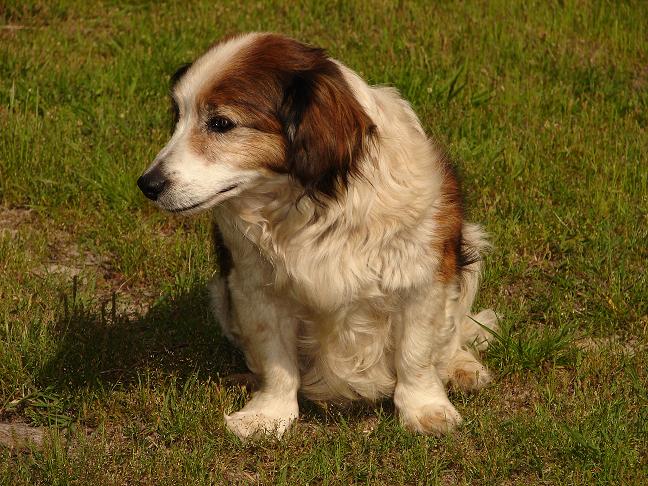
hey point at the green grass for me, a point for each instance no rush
(105, 335)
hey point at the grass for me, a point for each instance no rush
(105, 336)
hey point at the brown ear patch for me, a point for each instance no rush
(326, 128)
(327, 133)
(295, 90)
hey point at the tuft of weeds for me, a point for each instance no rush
(42, 407)
(514, 350)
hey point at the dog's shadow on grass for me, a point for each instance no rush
(99, 348)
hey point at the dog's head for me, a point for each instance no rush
(253, 108)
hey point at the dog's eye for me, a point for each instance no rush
(219, 124)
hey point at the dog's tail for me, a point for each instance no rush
(474, 244)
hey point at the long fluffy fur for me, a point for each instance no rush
(349, 272)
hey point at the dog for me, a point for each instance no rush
(347, 270)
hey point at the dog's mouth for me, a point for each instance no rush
(205, 203)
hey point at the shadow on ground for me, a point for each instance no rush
(98, 348)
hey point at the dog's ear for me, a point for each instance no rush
(177, 76)
(326, 128)
(173, 81)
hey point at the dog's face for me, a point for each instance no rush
(253, 108)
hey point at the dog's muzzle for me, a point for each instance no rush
(152, 183)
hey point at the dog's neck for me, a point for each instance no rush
(273, 212)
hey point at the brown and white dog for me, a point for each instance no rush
(346, 268)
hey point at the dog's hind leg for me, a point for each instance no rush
(424, 340)
(478, 330)
(463, 369)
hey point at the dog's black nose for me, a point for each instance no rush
(152, 184)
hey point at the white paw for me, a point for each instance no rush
(430, 419)
(251, 422)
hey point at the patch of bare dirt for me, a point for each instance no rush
(234, 476)
(610, 343)
(518, 395)
(640, 80)
(67, 260)
(12, 219)
(21, 436)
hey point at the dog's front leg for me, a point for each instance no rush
(425, 338)
(269, 339)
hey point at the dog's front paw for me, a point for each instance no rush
(247, 425)
(431, 419)
(254, 422)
